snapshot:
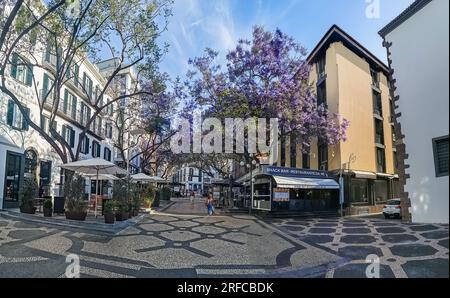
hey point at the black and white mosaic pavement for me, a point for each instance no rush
(176, 245)
(404, 250)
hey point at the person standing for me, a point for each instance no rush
(191, 197)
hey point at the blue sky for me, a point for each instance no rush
(218, 24)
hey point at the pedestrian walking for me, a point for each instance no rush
(210, 205)
(191, 197)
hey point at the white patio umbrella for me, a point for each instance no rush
(141, 177)
(94, 167)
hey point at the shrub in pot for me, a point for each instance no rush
(157, 199)
(108, 212)
(28, 193)
(120, 200)
(76, 205)
(148, 195)
(48, 208)
(166, 193)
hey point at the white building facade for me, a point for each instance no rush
(418, 51)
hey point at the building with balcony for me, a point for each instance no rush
(189, 178)
(353, 83)
(417, 43)
(68, 115)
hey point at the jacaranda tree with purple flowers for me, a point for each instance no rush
(267, 77)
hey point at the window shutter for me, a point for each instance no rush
(98, 150)
(442, 152)
(45, 85)
(47, 54)
(86, 148)
(64, 132)
(25, 124)
(29, 81)
(76, 73)
(66, 98)
(74, 107)
(14, 60)
(72, 138)
(10, 115)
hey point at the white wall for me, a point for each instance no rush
(420, 55)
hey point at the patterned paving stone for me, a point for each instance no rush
(326, 224)
(209, 230)
(356, 230)
(359, 252)
(390, 230)
(423, 228)
(180, 235)
(443, 243)
(295, 229)
(3, 223)
(24, 234)
(321, 230)
(318, 239)
(156, 227)
(23, 225)
(399, 238)
(353, 224)
(434, 268)
(184, 224)
(358, 239)
(413, 250)
(359, 271)
(435, 234)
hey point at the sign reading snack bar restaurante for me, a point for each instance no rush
(293, 172)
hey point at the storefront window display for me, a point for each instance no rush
(359, 191)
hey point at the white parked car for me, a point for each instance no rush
(392, 209)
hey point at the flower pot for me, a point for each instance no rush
(48, 212)
(135, 212)
(121, 216)
(81, 216)
(28, 210)
(109, 218)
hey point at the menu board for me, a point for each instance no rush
(280, 195)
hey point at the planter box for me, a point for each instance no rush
(109, 218)
(121, 216)
(48, 212)
(28, 210)
(81, 216)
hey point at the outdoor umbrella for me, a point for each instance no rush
(94, 166)
(141, 177)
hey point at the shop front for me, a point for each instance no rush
(295, 190)
(367, 192)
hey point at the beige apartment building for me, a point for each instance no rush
(353, 83)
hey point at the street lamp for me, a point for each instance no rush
(250, 166)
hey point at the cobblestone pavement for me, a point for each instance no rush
(175, 245)
(185, 206)
(415, 250)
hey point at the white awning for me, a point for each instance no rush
(364, 175)
(389, 176)
(305, 183)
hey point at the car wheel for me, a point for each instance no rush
(386, 216)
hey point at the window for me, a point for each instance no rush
(47, 90)
(396, 161)
(379, 132)
(283, 151)
(70, 104)
(377, 106)
(108, 130)
(375, 78)
(440, 150)
(107, 154)
(12, 177)
(381, 161)
(87, 85)
(85, 114)
(30, 163)
(21, 70)
(323, 157)
(76, 74)
(321, 67)
(69, 135)
(381, 191)
(85, 145)
(191, 174)
(306, 161)
(96, 149)
(322, 94)
(14, 117)
(359, 191)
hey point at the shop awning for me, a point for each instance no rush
(305, 183)
(364, 175)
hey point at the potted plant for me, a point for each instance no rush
(28, 193)
(48, 208)
(120, 200)
(157, 199)
(108, 212)
(76, 205)
(148, 195)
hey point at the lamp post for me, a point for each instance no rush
(250, 166)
